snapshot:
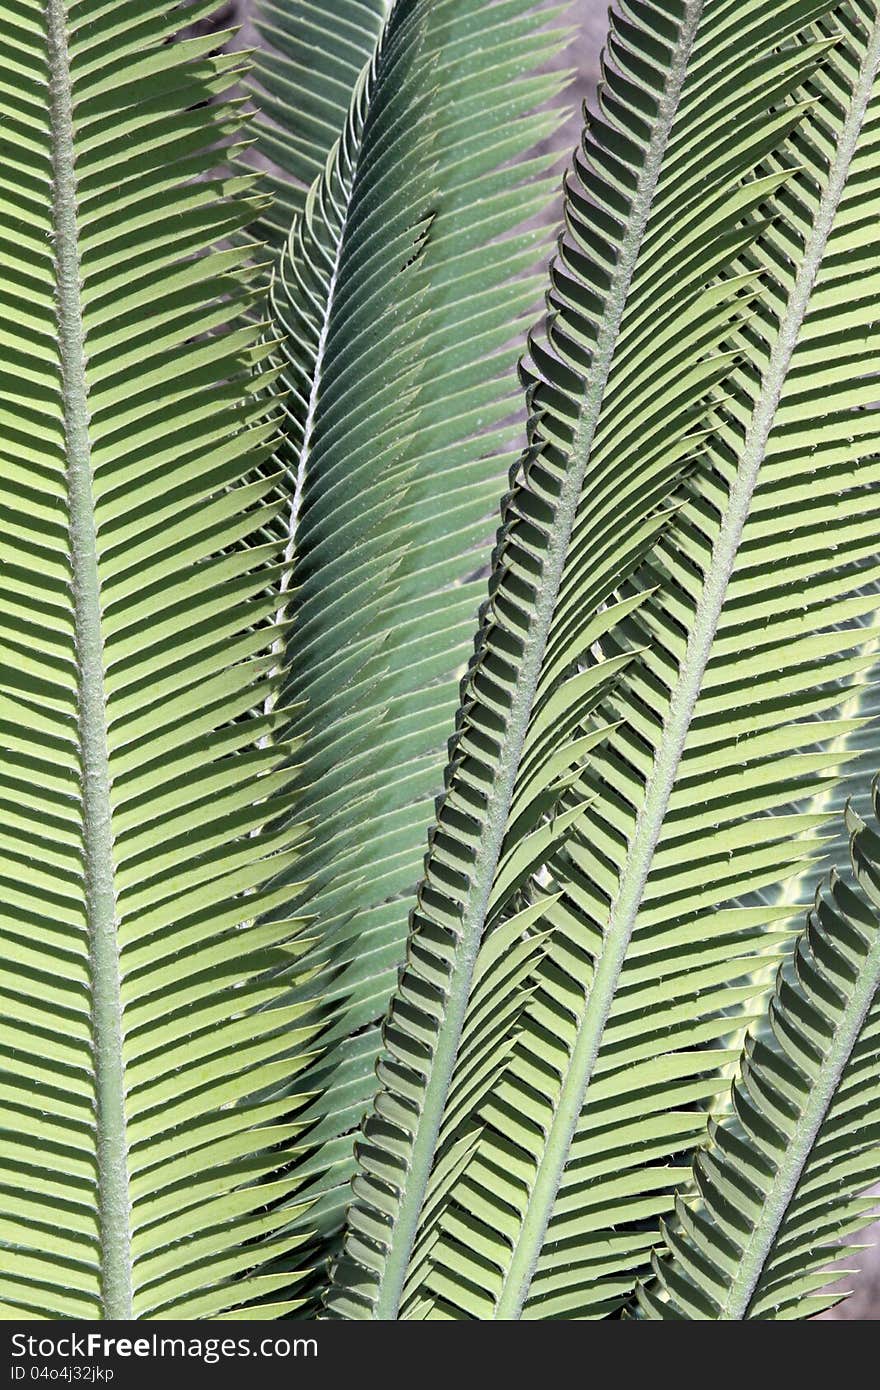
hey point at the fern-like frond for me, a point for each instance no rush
(400, 295)
(783, 1179)
(146, 1024)
(311, 56)
(627, 856)
(859, 751)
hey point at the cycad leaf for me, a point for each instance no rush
(706, 851)
(399, 293)
(146, 1025)
(859, 750)
(310, 59)
(783, 1178)
(656, 212)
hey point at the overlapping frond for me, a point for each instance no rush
(146, 1025)
(783, 1179)
(536, 1201)
(311, 56)
(401, 294)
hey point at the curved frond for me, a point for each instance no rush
(783, 1179)
(597, 777)
(146, 1024)
(400, 294)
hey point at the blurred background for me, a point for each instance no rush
(590, 18)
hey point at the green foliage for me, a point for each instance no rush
(309, 61)
(782, 1179)
(399, 295)
(240, 572)
(526, 1189)
(146, 1023)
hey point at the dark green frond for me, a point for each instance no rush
(401, 293)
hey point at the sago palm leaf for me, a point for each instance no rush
(860, 749)
(146, 1027)
(310, 58)
(399, 294)
(535, 1202)
(783, 1179)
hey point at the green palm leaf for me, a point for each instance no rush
(146, 1026)
(310, 59)
(682, 807)
(783, 1178)
(399, 293)
(859, 748)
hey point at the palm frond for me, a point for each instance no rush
(146, 1025)
(859, 750)
(639, 849)
(399, 294)
(311, 56)
(783, 1179)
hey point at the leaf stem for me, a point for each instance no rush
(98, 847)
